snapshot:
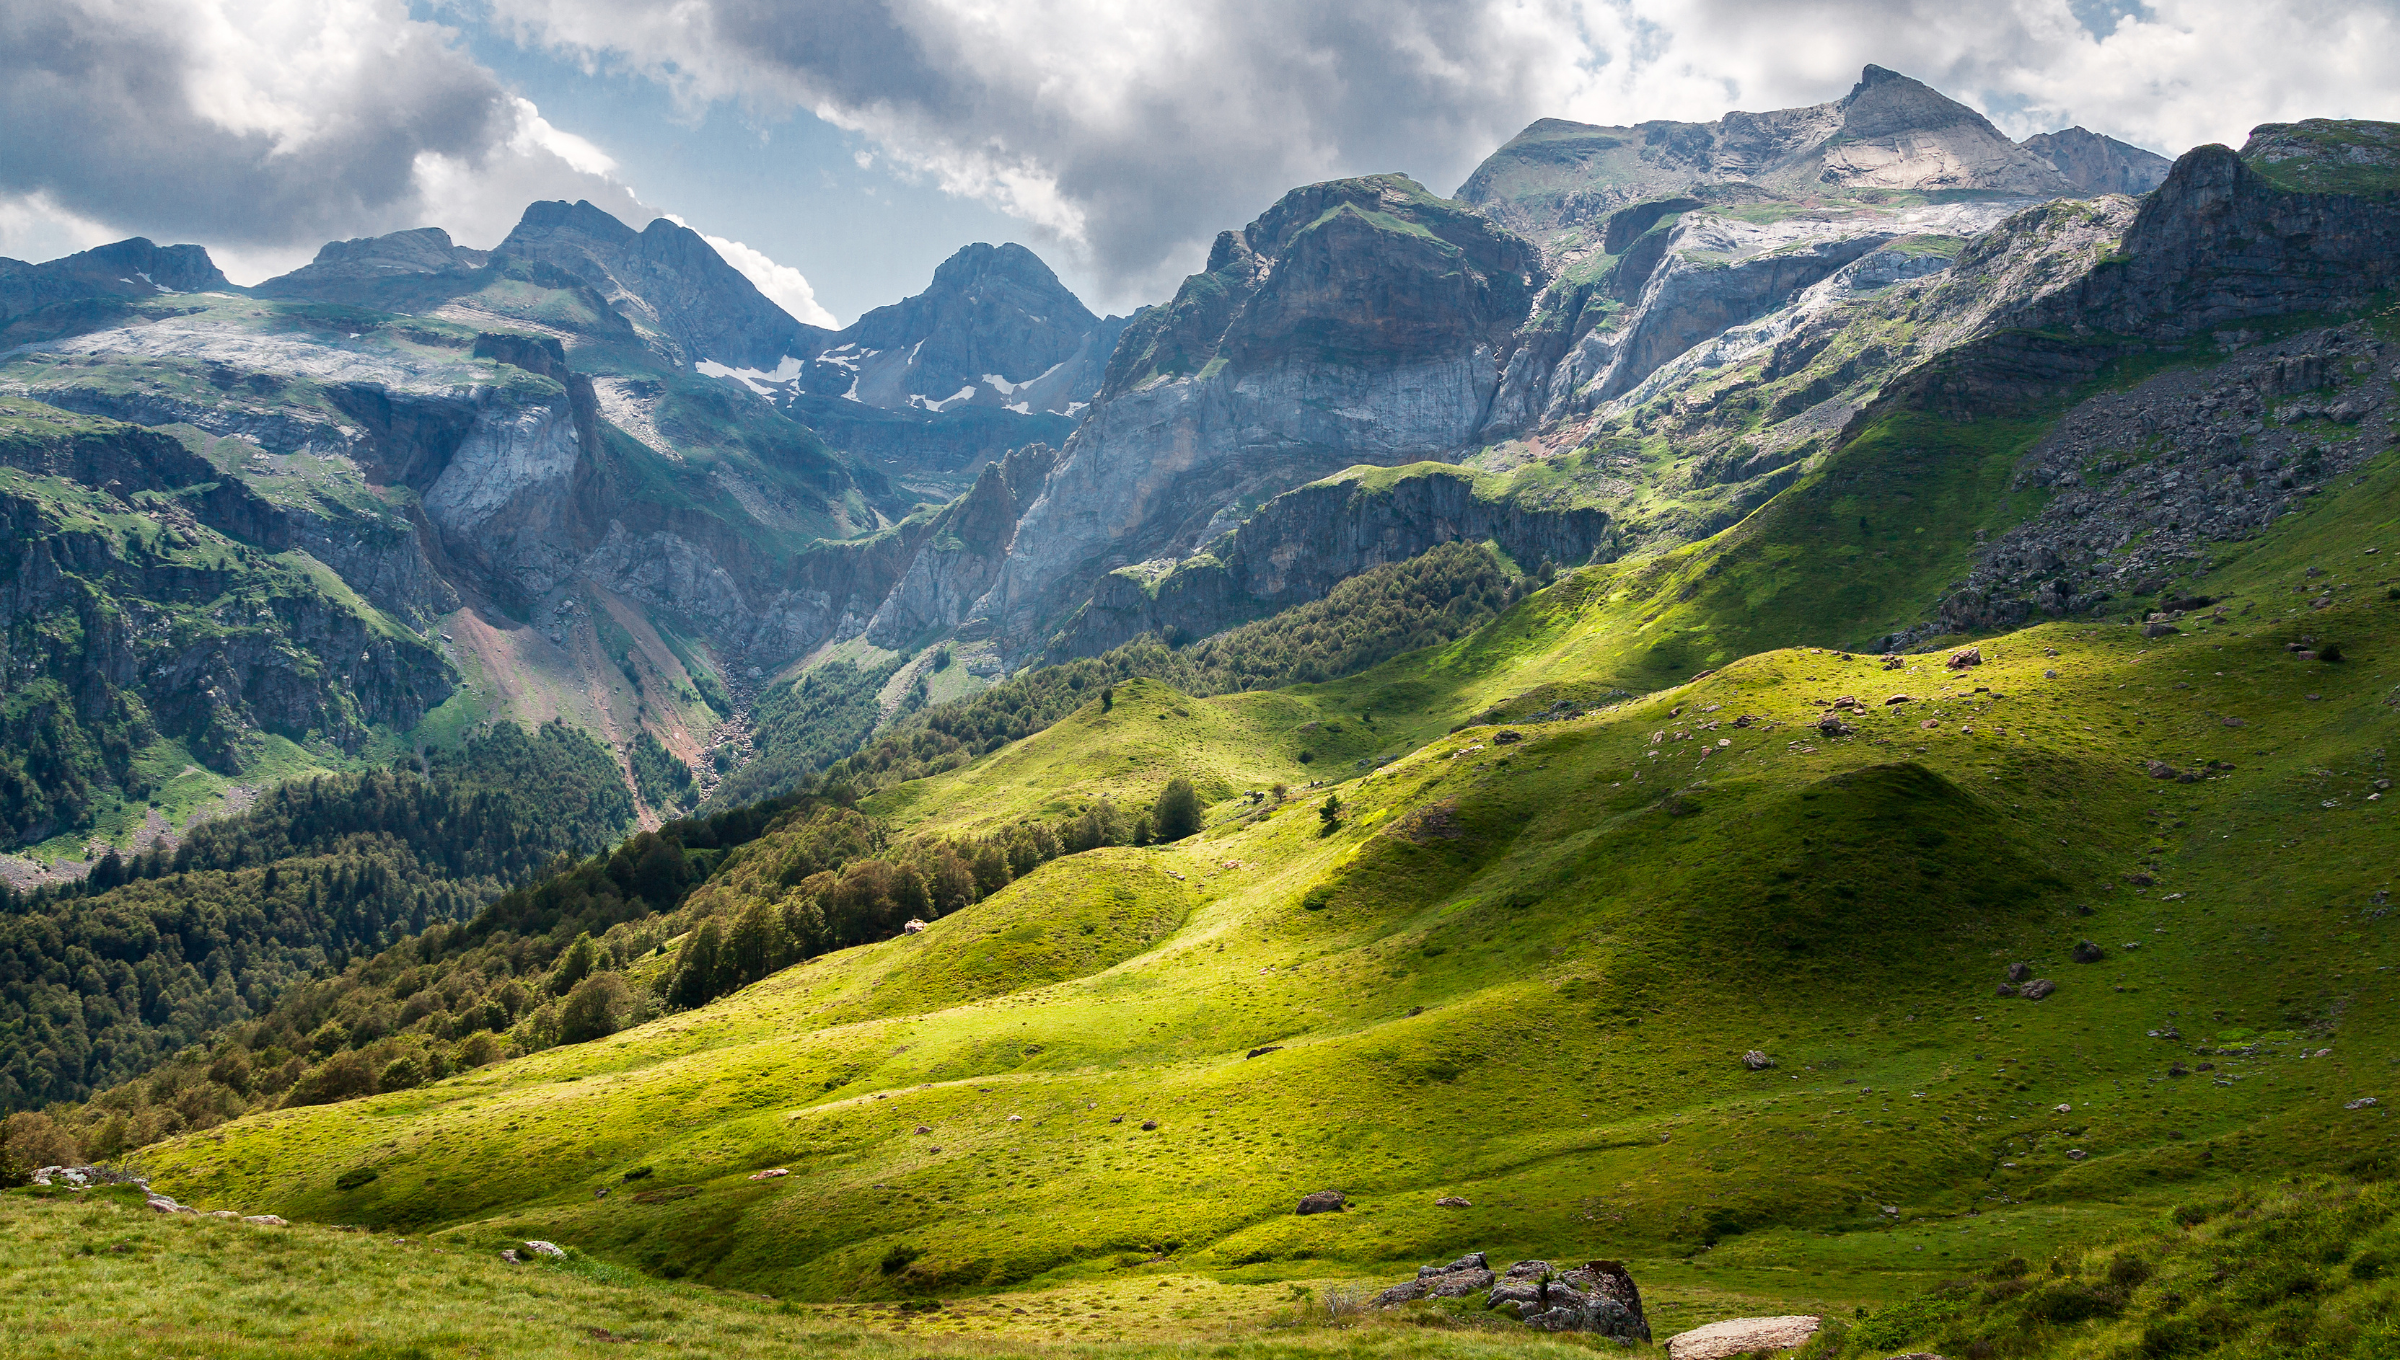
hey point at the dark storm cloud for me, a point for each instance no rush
(182, 121)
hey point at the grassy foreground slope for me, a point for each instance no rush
(1522, 974)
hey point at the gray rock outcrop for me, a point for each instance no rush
(1740, 1336)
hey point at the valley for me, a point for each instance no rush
(1797, 703)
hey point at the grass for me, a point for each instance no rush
(1521, 974)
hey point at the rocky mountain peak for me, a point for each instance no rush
(128, 269)
(1885, 103)
(995, 328)
(668, 280)
(1889, 133)
(2095, 164)
(423, 250)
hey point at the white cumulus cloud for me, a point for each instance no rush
(784, 286)
(263, 128)
(1131, 133)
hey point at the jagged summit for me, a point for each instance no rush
(994, 328)
(2096, 164)
(131, 268)
(368, 259)
(1889, 133)
(667, 279)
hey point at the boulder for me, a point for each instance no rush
(551, 1249)
(1322, 1202)
(2037, 989)
(1452, 1202)
(2018, 972)
(1458, 1284)
(2160, 629)
(1148, 1125)
(1507, 738)
(773, 1172)
(2087, 952)
(914, 926)
(1736, 1336)
(1474, 1260)
(266, 1221)
(1958, 661)
(1404, 1292)
(1529, 1270)
(1757, 1061)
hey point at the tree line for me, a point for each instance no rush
(103, 978)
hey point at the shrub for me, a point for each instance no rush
(1177, 812)
(595, 1009)
(30, 1141)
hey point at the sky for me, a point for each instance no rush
(836, 151)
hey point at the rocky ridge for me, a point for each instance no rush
(1597, 1297)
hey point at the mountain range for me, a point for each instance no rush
(1792, 707)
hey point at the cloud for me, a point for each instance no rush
(784, 286)
(1129, 134)
(266, 127)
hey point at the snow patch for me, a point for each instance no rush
(760, 381)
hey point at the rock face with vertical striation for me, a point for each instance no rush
(1359, 321)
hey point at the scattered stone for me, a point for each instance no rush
(924, 1128)
(1452, 1202)
(1930, 724)
(1148, 1125)
(914, 926)
(551, 1249)
(2362, 1103)
(2018, 972)
(1323, 1202)
(1735, 1336)
(1505, 738)
(2050, 674)
(2178, 1070)
(509, 1254)
(2062, 1109)
(1260, 1052)
(2006, 989)
(2037, 989)
(2076, 1154)
(1473, 1260)
(2087, 952)
(1757, 1061)
(1019, 1119)
(772, 1172)
(1959, 661)
(1833, 726)
(266, 1221)
(2160, 629)
(1900, 699)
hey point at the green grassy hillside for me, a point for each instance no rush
(1523, 973)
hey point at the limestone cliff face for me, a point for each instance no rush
(1304, 542)
(962, 552)
(1361, 321)
(2228, 237)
